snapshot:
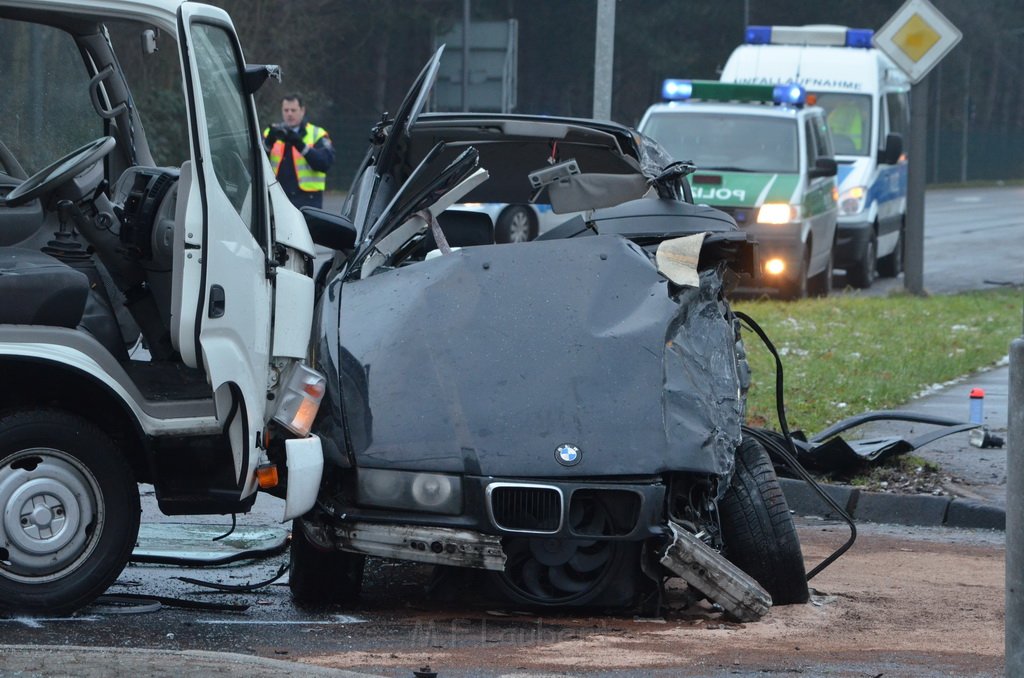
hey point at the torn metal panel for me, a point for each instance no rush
(486, 360)
(829, 452)
(434, 545)
(712, 574)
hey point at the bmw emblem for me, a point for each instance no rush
(568, 455)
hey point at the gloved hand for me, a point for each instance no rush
(275, 134)
(295, 139)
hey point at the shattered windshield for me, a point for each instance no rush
(726, 141)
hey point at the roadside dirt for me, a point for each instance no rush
(897, 604)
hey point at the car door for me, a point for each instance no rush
(224, 322)
(819, 202)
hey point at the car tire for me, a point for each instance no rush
(891, 265)
(516, 223)
(799, 288)
(318, 577)
(758, 530)
(821, 284)
(862, 274)
(70, 512)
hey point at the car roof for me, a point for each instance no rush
(511, 146)
(162, 12)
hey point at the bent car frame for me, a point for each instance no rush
(563, 415)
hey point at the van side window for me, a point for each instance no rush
(899, 114)
(812, 143)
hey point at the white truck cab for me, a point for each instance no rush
(866, 98)
(157, 291)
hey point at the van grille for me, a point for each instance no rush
(526, 508)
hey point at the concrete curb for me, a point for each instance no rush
(899, 509)
(70, 660)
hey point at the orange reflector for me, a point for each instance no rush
(315, 389)
(266, 475)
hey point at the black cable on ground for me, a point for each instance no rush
(237, 588)
(120, 598)
(787, 451)
(252, 554)
(234, 524)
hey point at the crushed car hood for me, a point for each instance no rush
(487, 360)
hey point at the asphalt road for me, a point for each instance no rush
(972, 240)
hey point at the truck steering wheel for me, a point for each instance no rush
(53, 175)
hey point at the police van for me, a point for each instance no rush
(765, 158)
(866, 98)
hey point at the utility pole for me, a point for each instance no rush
(967, 120)
(604, 53)
(465, 55)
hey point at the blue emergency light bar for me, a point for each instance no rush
(712, 90)
(828, 36)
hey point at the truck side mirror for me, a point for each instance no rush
(890, 155)
(256, 74)
(329, 230)
(823, 167)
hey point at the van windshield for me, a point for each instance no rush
(849, 119)
(724, 141)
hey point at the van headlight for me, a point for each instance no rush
(778, 213)
(852, 200)
(429, 492)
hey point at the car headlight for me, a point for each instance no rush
(412, 490)
(778, 213)
(852, 200)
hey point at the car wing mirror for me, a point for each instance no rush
(890, 155)
(330, 230)
(257, 74)
(823, 167)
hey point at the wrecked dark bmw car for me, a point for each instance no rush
(563, 415)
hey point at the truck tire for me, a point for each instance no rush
(862, 273)
(70, 512)
(318, 577)
(891, 265)
(758, 531)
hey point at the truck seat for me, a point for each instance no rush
(40, 290)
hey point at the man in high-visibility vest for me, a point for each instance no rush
(300, 153)
(845, 122)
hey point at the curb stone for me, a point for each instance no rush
(87, 662)
(900, 509)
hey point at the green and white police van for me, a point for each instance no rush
(866, 98)
(766, 158)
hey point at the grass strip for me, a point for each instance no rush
(844, 355)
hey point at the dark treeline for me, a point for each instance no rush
(354, 59)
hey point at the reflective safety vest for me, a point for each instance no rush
(309, 179)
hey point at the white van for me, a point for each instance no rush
(866, 97)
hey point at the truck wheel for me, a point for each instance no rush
(891, 265)
(758, 531)
(862, 274)
(70, 512)
(517, 223)
(318, 577)
(821, 284)
(799, 288)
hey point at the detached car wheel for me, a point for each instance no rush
(516, 223)
(70, 512)
(318, 577)
(552, 572)
(759, 534)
